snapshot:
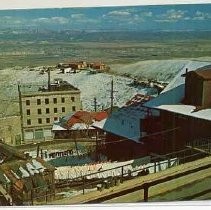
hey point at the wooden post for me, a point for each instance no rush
(41, 154)
(97, 147)
(32, 197)
(146, 191)
(38, 150)
(169, 163)
(154, 167)
(83, 185)
(46, 196)
(76, 147)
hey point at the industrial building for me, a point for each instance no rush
(40, 107)
(185, 112)
(179, 116)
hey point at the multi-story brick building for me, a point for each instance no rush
(40, 109)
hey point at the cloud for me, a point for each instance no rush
(127, 16)
(60, 20)
(77, 16)
(172, 16)
(146, 14)
(119, 13)
(51, 20)
(201, 16)
(9, 20)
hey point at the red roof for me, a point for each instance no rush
(86, 117)
(137, 99)
(100, 115)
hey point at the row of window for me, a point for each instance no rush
(47, 110)
(47, 101)
(40, 120)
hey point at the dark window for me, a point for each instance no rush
(39, 111)
(47, 101)
(28, 122)
(47, 120)
(72, 99)
(55, 110)
(27, 102)
(39, 120)
(47, 110)
(63, 109)
(55, 118)
(73, 108)
(38, 101)
(28, 112)
(54, 100)
(63, 99)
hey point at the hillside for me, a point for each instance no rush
(97, 85)
(160, 70)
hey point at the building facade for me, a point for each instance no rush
(198, 86)
(10, 130)
(42, 108)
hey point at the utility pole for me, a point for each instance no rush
(95, 104)
(112, 95)
(21, 110)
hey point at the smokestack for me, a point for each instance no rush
(186, 70)
(49, 79)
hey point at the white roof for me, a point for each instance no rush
(99, 124)
(171, 97)
(76, 126)
(24, 172)
(187, 110)
(37, 165)
(81, 126)
(57, 127)
(179, 80)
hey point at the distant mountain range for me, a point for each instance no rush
(100, 36)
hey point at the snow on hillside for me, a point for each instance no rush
(99, 86)
(90, 85)
(160, 70)
(96, 85)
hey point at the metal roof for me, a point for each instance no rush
(126, 122)
(170, 99)
(187, 110)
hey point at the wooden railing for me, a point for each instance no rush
(82, 183)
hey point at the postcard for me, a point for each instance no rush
(105, 104)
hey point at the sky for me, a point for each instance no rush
(136, 18)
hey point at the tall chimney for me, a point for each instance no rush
(49, 79)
